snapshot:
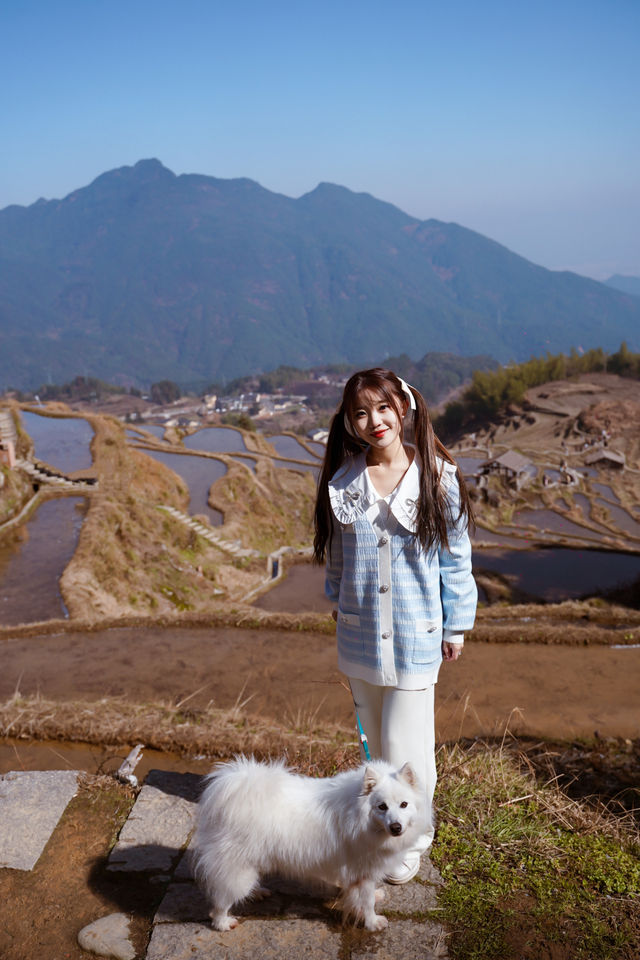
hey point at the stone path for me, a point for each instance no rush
(55, 479)
(154, 841)
(236, 549)
(31, 805)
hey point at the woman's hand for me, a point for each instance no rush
(451, 651)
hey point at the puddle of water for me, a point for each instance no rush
(560, 573)
(33, 560)
(216, 440)
(199, 473)
(62, 443)
(60, 755)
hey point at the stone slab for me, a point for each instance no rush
(257, 940)
(291, 939)
(31, 804)
(159, 826)
(403, 940)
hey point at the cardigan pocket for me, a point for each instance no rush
(349, 636)
(427, 641)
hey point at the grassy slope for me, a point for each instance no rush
(149, 564)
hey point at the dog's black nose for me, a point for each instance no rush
(395, 829)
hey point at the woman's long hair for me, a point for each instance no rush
(433, 509)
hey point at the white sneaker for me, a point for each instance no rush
(406, 870)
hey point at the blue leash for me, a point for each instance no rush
(363, 738)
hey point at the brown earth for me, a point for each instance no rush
(542, 690)
(44, 909)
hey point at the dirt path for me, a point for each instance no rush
(543, 691)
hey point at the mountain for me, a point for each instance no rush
(626, 284)
(144, 275)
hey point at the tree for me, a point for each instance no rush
(165, 391)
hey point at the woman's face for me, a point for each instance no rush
(376, 420)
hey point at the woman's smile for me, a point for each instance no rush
(377, 421)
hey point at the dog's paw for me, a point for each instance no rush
(260, 893)
(379, 894)
(224, 923)
(376, 922)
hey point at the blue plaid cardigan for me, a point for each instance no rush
(394, 599)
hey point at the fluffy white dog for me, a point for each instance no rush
(256, 819)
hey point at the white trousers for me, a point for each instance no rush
(399, 727)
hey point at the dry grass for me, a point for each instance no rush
(266, 509)
(175, 727)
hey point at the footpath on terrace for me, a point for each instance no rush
(154, 843)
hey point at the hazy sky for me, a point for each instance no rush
(517, 119)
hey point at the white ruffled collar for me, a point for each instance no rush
(351, 492)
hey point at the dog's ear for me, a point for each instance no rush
(370, 780)
(407, 773)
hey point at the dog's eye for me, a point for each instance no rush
(383, 807)
(404, 804)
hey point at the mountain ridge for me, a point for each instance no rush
(143, 274)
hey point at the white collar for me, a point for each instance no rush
(351, 491)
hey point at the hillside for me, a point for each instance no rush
(144, 275)
(625, 284)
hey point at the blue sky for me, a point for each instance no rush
(518, 120)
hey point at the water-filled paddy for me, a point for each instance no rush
(199, 473)
(33, 560)
(62, 443)
(553, 574)
(216, 440)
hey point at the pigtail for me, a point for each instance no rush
(435, 514)
(340, 445)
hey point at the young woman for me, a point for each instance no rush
(392, 521)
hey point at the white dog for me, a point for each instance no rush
(256, 819)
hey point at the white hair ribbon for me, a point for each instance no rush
(409, 393)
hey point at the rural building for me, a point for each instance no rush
(512, 466)
(605, 458)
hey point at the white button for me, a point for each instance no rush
(409, 502)
(430, 629)
(386, 635)
(384, 588)
(383, 540)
